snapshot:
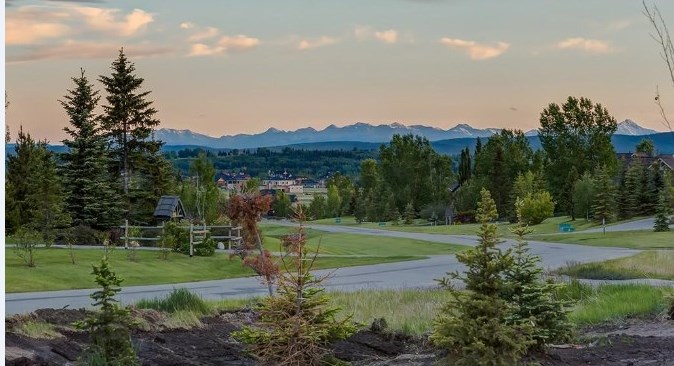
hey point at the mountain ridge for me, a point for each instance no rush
(360, 131)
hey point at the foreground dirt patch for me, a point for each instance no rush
(638, 343)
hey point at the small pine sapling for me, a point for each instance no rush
(409, 214)
(474, 324)
(533, 298)
(296, 326)
(109, 327)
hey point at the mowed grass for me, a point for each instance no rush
(649, 264)
(54, 270)
(548, 226)
(355, 244)
(625, 239)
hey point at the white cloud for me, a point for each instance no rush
(476, 51)
(186, 25)
(306, 44)
(80, 50)
(31, 24)
(584, 44)
(226, 44)
(109, 20)
(389, 36)
(364, 33)
(207, 33)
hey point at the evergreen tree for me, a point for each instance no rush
(475, 326)
(604, 201)
(154, 178)
(567, 192)
(409, 214)
(45, 196)
(91, 198)
(632, 191)
(534, 299)
(465, 167)
(663, 212)
(129, 119)
(317, 208)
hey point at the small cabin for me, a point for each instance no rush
(168, 208)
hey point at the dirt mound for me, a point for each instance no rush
(638, 343)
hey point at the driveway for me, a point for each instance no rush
(410, 274)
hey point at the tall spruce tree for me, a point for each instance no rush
(129, 119)
(604, 200)
(465, 166)
(663, 211)
(21, 167)
(91, 196)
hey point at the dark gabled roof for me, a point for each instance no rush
(169, 206)
(454, 187)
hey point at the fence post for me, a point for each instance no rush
(126, 233)
(191, 240)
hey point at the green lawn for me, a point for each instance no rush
(54, 270)
(626, 239)
(649, 264)
(548, 226)
(354, 244)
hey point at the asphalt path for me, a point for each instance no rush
(643, 224)
(410, 274)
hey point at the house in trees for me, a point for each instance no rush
(232, 181)
(664, 161)
(168, 208)
(283, 181)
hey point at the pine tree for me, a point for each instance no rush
(533, 298)
(604, 202)
(296, 326)
(91, 197)
(109, 328)
(45, 196)
(630, 197)
(663, 212)
(21, 167)
(409, 214)
(464, 166)
(129, 119)
(475, 325)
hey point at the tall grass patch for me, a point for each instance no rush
(617, 302)
(37, 329)
(178, 300)
(407, 311)
(650, 264)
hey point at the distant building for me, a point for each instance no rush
(232, 181)
(279, 181)
(664, 161)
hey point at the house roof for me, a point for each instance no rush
(169, 206)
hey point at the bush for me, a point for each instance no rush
(433, 211)
(537, 207)
(465, 217)
(81, 235)
(26, 242)
(178, 300)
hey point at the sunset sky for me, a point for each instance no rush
(225, 67)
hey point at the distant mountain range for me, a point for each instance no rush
(361, 132)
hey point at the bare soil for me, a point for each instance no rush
(634, 343)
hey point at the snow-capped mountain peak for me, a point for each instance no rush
(631, 128)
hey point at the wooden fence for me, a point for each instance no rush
(197, 234)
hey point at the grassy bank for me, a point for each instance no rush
(354, 244)
(624, 239)
(54, 271)
(650, 264)
(549, 226)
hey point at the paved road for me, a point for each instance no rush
(411, 274)
(643, 224)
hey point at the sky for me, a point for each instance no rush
(223, 67)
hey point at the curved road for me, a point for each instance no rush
(411, 274)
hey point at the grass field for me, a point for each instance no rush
(354, 244)
(548, 226)
(649, 264)
(626, 239)
(413, 311)
(54, 270)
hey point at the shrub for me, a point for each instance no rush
(295, 326)
(109, 327)
(80, 235)
(537, 207)
(27, 242)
